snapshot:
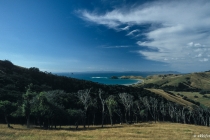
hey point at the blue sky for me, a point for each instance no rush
(106, 35)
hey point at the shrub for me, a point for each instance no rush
(205, 96)
(204, 92)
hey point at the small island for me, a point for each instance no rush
(114, 77)
(131, 77)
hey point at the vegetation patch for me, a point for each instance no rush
(43, 101)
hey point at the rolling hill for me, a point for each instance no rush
(179, 82)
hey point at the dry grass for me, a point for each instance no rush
(142, 131)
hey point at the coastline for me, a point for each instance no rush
(104, 78)
(138, 82)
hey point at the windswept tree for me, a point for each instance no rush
(154, 106)
(189, 114)
(85, 98)
(6, 108)
(183, 114)
(56, 100)
(41, 109)
(111, 105)
(127, 101)
(49, 106)
(119, 113)
(28, 100)
(208, 116)
(151, 104)
(94, 106)
(136, 110)
(171, 110)
(76, 115)
(103, 101)
(162, 108)
(143, 110)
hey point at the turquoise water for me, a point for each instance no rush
(108, 81)
(104, 78)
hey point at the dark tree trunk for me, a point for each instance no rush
(88, 121)
(111, 120)
(129, 113)
(76, 125)
(94, 118)
(8, 124)
(55, 125)
(126, 117)
(28, 121)
(102, 123)
(84, 120)
(136, 119)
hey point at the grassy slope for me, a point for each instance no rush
(194, 80)
(172, 98)
(190, 95)
(142, 131)
(201, 80)
(197, 80)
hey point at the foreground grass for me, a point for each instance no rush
(141, 131)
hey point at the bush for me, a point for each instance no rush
(169, 92)
(205, 96)
(192, 101)
(195, 96)
(204, 92)
(184, 97)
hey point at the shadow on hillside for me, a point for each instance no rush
(81, 128)
(70, 128)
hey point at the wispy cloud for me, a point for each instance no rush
(110, 47)
(133, 32)
(179, 30)
(125, 28)
(204, 60)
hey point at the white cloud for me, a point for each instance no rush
(125, 28)
(180, 29)
(204, 60)
(132, 32)
(109, 47)
(199, 55)
(197, 44)
(190, 44)
(141, 43)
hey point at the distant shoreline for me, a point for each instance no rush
(138, 81)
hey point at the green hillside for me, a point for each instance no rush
(195, 96)
(193, 87)
(186, 82)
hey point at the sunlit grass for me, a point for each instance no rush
(141, 131)
(191, 95)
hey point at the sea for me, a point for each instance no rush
(105, 77)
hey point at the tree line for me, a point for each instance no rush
(30, 96)
(48, 109)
